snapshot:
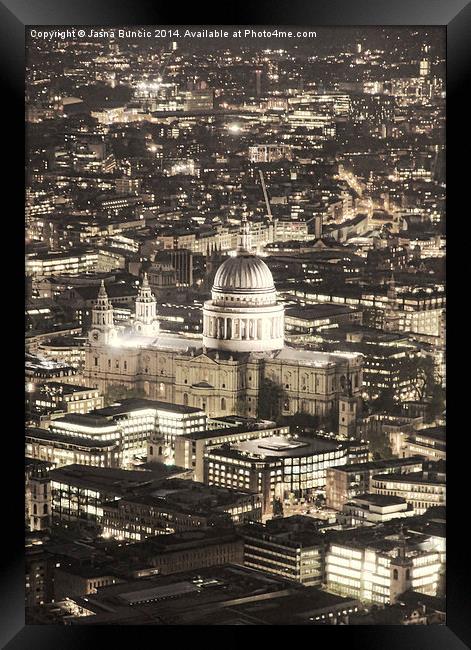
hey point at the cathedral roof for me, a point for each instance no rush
(244, 272)
(314, 358)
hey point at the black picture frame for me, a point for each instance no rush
(15, 16)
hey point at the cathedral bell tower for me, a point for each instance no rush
(145, 320)
(102, 330)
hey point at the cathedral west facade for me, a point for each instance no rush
(230, 368)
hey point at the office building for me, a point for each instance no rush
(190, 448)
(377, 567)
(429, 442)
(79, 491)
(370, 509)
(277, 467)
(292, 548)
(61, 449)
(422, 490)
(176, 506)
(348, 481)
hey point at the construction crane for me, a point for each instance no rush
(265, 195)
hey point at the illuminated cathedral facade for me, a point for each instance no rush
(239, 362)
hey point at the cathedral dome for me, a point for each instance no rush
(243, 314)
(243, 273)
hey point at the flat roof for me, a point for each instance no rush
(175, 542)
(278, 447)
(321, 310)
(435, 433)
(182, 495)
(378, 499)
(287, 534)
(315, 358)
(113, 289)
(67, 388)
(79, 441)
(214, 587)
(36, 462)
(297, 607)
(413, 477)
(377, 464)
(242, 420)
(112, 479)
(83, 419)
(138, 404)
(229, 431)
(158, 592)
(175, 343)
(383, 537)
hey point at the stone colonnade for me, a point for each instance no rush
(243, 329)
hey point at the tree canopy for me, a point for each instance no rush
(270, 400)
(117, 392)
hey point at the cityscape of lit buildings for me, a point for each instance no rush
(235, 328)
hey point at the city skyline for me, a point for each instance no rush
(235, 326)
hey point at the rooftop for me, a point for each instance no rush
(37, 433)
(111, 479)
(83, 419)
(378, 499)
(300, 607)
(384, 538)
(230, 431)
(275, 447)
(313, 358)
(189, 497)
(36, 463)
(137, 404)
(141, 553)
(284, 532)
(228, 595)
(378, 464)
(322, 310)
(65, 388)
(179, 599)
(432, 477)
(176, 343)
(434, 433)
(114, 290)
